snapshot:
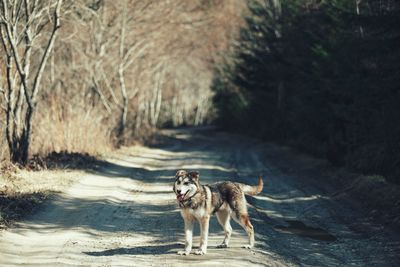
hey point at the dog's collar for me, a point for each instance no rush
(187, 202)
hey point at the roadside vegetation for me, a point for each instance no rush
(322, 76)
(88, 75)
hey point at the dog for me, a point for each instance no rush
(199, 202)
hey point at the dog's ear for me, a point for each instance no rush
(180, 173)
(194, 175)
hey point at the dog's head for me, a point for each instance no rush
(186, 184)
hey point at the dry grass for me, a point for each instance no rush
(22, 191)
(77, 130)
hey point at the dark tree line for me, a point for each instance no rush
(323, 76)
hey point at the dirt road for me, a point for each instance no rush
(123, 213)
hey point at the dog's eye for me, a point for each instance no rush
(186, 183)
(179, 182)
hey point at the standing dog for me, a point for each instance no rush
(199, 202)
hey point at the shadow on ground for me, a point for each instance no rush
(143, 250)
(16, 205)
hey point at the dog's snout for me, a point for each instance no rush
(178, 191)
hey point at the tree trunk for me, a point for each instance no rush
(21, 96)
(124, 107)
(358, 2)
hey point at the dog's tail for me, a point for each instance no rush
(255, 189)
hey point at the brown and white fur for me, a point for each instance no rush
(225, 199)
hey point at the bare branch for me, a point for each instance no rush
(12, 42)
(48, 49)
(103, 99)
(3, 41)
(111, 91)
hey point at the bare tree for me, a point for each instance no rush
(132, 65)
(27, 44)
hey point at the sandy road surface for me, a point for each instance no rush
(123, 213)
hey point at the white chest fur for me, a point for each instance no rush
(198, 213)
(194, 213)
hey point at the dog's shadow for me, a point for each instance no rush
(143, 250)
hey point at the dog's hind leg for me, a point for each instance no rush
(241, 216)
(224, 218)
(188, 237)
(244, 221)
(204, 225)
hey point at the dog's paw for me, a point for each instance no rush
(247, 247)
(223, 245)
(200, 252)
(183, 252)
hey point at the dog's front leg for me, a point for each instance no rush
(204, 225)
(188, 237)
